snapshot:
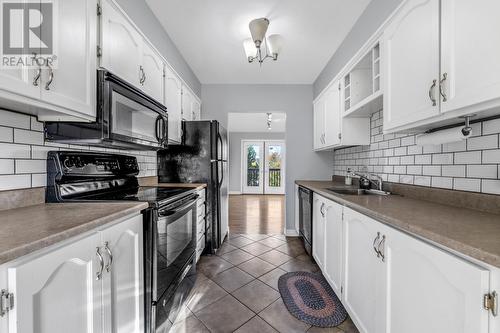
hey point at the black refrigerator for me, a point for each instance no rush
(202, 158)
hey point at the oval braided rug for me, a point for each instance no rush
(309, 298)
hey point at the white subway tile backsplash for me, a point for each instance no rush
(31, 166)
(453, 170)
(483, 142)
(14, 119)
(6, 134)
(482, 171)
(10, 150)
(467, 184)
(6, 167)
(23, 152)
(13, 182)
(28, 137)
(468, 165)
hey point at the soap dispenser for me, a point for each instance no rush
(348, 177)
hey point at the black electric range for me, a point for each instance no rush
(169, 222)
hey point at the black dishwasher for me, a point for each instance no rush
(305, 217)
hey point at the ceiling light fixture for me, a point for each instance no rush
(269, 120)
(261, 47)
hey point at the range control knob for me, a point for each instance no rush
(68, 163)
(79, 163)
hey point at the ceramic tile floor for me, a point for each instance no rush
(237, 290)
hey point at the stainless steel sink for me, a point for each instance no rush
(353, 191)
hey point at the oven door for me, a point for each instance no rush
(130, 115)
(175, 243)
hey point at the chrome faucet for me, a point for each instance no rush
(379, 183)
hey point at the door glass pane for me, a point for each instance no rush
(274, 157)
(132, 119)
(253, 165)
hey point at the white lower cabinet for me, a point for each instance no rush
(80, 286)
(429, 290)
(362, 271)
(391, 282)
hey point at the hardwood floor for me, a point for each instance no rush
(256, 214)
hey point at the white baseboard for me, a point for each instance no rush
(291, 233)
(234, 193)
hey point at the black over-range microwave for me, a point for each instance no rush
(125, 118)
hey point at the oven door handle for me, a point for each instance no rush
(171, 212)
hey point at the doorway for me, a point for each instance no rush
(263, 166)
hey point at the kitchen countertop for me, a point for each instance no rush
(28, 229)
(471, 232)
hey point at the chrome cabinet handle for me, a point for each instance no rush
(37, 76)
(142, 75)
(375, 246)
(380, 248)
(101, 263)
(51, 78)
(441, 87)
(110, 254)
(431, 92)
(322, 209)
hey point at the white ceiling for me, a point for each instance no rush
(210, 34)
(256, 122)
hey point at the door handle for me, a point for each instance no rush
(110, 254)
(375, 244)
(322, 209)
(142, 75)
(380, 248)
(431, 92)
(101, 263)
(51, 78)
(441, 87)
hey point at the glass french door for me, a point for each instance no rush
(263, 167)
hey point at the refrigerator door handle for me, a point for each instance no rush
(222, 174)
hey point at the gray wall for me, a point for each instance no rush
(235, 139)
(296, 102)
(372, 18)
(142, 15)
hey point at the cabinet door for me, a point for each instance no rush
(173, 102)
(319, 123)
(332, 115)
(196, 110)
(19, 80)
(318, 229)
(333, 245)
(152, 65)
(123, 277)
(187, 104)
(361, 272)
(429, 290)
(71, 83)
(472, 73)
(411, 64)
(58, 292)
(121, 44)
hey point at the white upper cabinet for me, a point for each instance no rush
(72, 83)
(121, 45)
(187, 104)
(411, 64)
(173, 102)
(151, 69)
(319, 123)
(433, 73)
(429, 290)
(470, 54)
(332, 116)
(196, 110)
(58, 292)
(64, 88)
